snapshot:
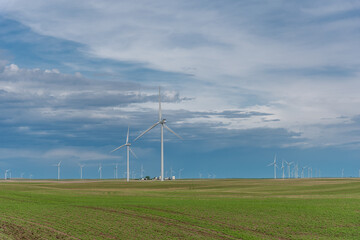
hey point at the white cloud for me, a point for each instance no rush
(234, 53)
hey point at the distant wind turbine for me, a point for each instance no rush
(81, 170)
(116, 171)
(342, 173)
(183, 170)
(128, 149)
(58, 167)
(275, 166)
(142, 171)
(162, 122)
(302, 171)
(100, 171)
(283, 169)
(296, 170)
(6, 173)
(288, 165)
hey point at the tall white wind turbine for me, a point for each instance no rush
(183, 170)
(275, 166)
(81, 170)
(288, 165)
(128, 150)
(302, 171)
(100, 171)
(142, 171)
(283, 169)
(58, 167)
(296, 170)
(162, 122)
(116, 171)
(6, 173)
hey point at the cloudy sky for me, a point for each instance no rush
(241, 81)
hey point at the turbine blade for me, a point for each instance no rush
(172, 132)
(146, 131)
(118, 148)
(127, 136)
(132, 152)
(271, 164)
(160, 115)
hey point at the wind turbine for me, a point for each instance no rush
(81, 170)
(288, 165)
(142, 171)
(100, 171)
(283, 169)
(6, 172)
(275, 166)
(162, 122)
(116, 171)
(296, 170)
(342, 173)
(302, 171)
(58, 167)
(183, 169)
(128, 149)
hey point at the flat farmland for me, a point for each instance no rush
(181, 209)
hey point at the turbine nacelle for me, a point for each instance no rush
(162, 121)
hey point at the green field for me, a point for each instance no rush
(187, 209)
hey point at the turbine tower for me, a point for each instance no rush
(302, 171)
(288, 165)
(58, 167)
(275, 166)
(100, 171)
(283, 169)
(183, 170)
(142, 171)
(6, 172)
(116, 171)
(128, 149)
(81, 170)
(162, 122)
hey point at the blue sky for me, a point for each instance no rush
(241, 81)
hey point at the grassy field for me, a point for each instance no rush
(187, 209)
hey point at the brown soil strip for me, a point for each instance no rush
(59, 234)
(16, 231)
